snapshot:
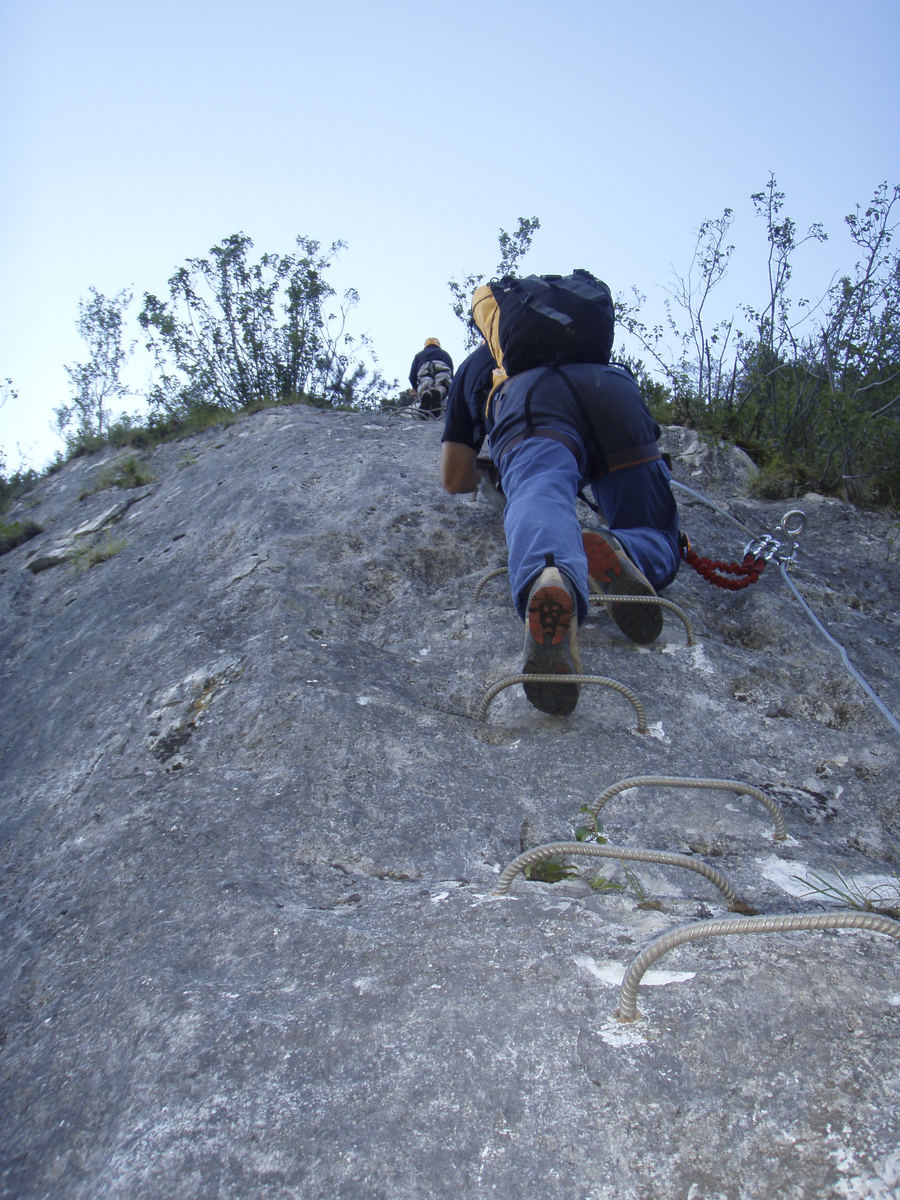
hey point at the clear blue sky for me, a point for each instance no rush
(135, 136)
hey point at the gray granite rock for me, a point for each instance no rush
(252, 830)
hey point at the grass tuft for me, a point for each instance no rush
(14, 533)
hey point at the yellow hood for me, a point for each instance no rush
(486, 315)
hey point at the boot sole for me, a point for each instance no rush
(642, 623)
(548, 651)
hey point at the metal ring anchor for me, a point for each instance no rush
(724, 785)
(782, 544)
(627, 1010)
(792, 523)
(592, 850)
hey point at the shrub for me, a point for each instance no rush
(819, 409)
(14, 533)
(218, 339)
(128, 474)
(89, 556)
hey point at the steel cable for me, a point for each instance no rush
(870, 692)
(867, 688)
(723, 512)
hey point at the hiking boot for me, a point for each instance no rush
(431, 402)
(614, 574)
(551, 643)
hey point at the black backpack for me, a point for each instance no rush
(546, 320)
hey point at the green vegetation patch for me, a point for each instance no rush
(128, 474)
(14, 533)
(89, 556)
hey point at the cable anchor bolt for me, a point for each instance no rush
(782, 545)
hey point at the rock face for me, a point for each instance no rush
(252, 828)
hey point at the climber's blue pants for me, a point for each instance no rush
(540, 478)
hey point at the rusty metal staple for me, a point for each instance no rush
(596, 600)
(602, 680)
(482, 584)
(626, 853)
(723, 785)
(606, 601)
(785, 923)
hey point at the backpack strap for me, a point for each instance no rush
(598, 465)
(529, 421)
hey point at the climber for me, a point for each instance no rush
(551, 431)
(430, 376)
(465, 421)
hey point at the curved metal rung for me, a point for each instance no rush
(485, 702)
(627, 1010)
(595, 601)
(592, 850)
(482, 584)
(722, 785)
(405, 410)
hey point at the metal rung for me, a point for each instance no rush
(724, 785)
(606, 601)
(485, 702)
(627, 1010)
(596, 600)
(626, 853)
(482, 583)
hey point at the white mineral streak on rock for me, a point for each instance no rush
(619, 1035)
(829, 887)
(883, 1186)
(105, 518)
(611, 974)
